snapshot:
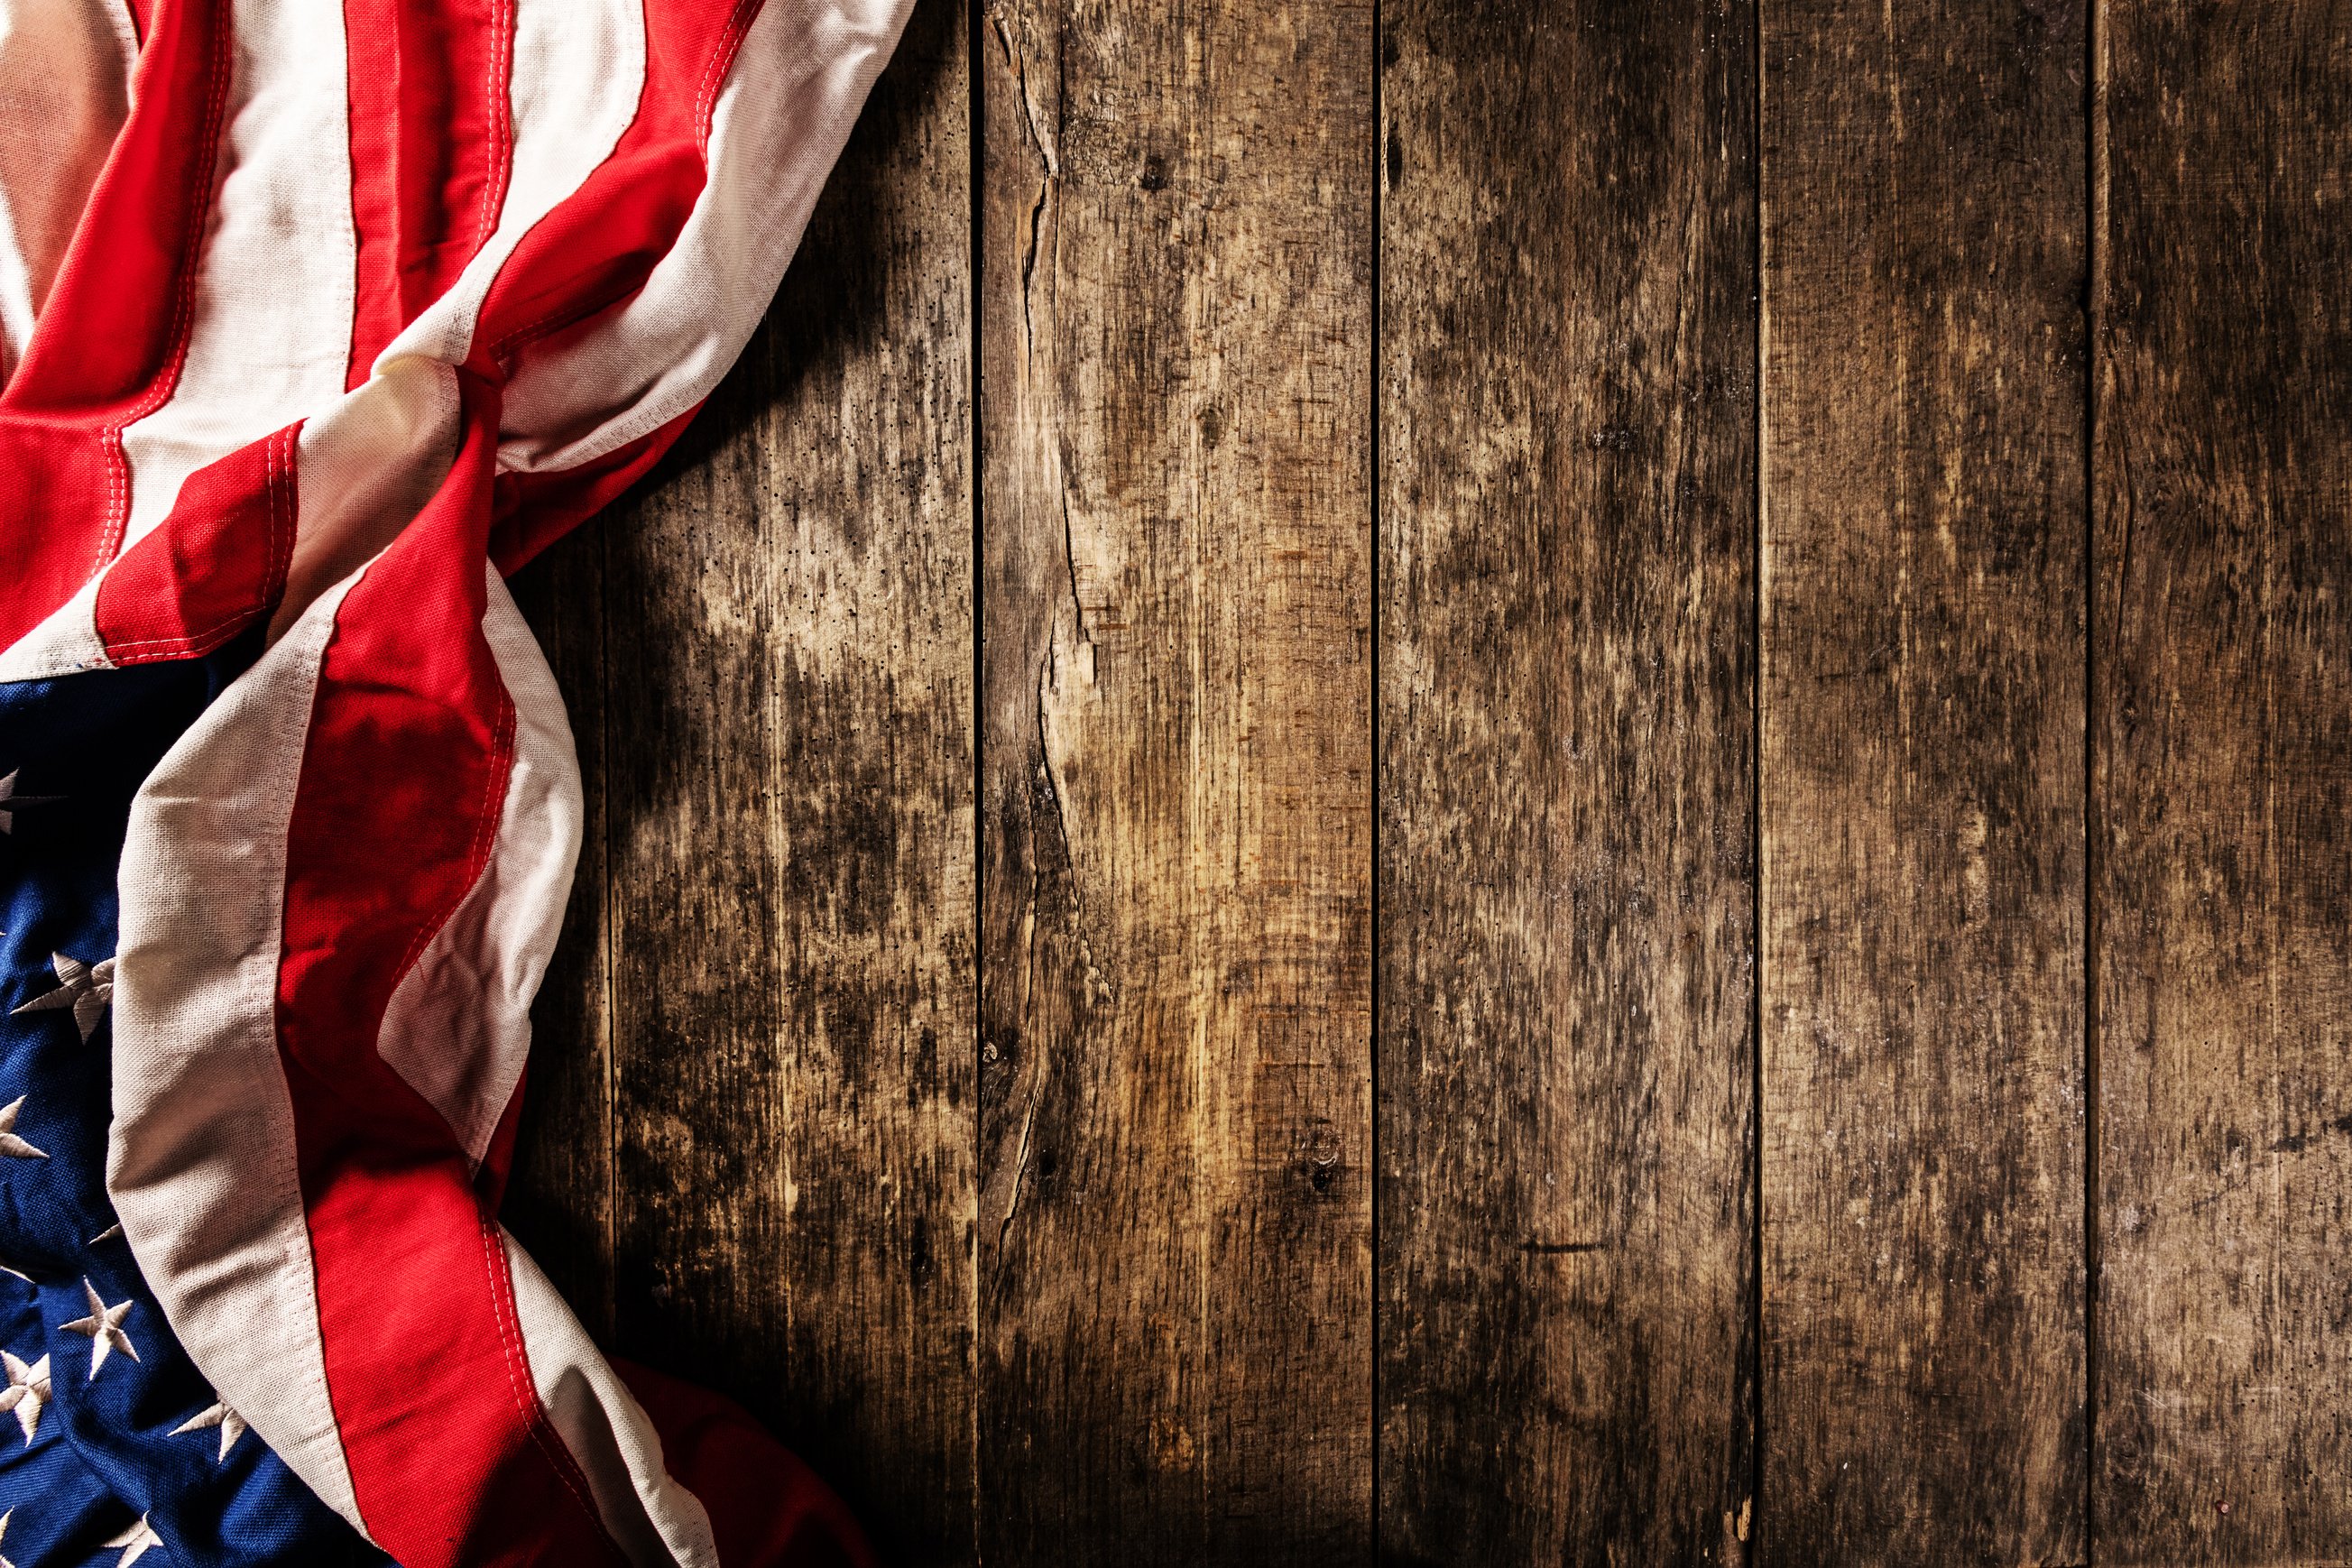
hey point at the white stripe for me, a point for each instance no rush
(655, 1522)
(791, 97)
(372, 459)
(579, 65)
(363, 470)
(458, 1025)
(201, 1160)
(457, 1029)
(202, 1156)
(16, 294)
(64, 644)
(120, 21)
(272, 326)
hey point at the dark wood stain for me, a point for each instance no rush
(2224, 786)
(1855, 824)
(560, 1200)
(777, 1044)
(1567, 747)
(1922, 796)
(1175, 805)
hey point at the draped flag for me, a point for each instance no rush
(317, 317)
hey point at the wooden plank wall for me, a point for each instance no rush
(1503, 783)
(1921, 788)
(749, 1139)
(1175, 795)
(1567, 755)
(2222, 729)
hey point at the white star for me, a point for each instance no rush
(134, 1543)
(10, 801)
(4, 1531)
(86, 988)
(231, 1425)
(15, 1148)
(108, 1234)
(27, 1393)
(103, 1328)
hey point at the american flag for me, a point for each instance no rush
(316, 318)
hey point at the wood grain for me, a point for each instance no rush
(1566, 523)
(2224, 726)
(558, 1200)
(787, 766)
(1175, 249)
(1918, 734)
(1922, 792)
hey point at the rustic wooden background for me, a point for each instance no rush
(1503, 783)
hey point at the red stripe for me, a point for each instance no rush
(117, 315)
(54, 481)
(431, 152)
(599, 245)
(594, 251)
(211, 568)
(67, 93)
(372, 55)
(450, 1454)
(534, 510)
(452, 1460)
(108, 347)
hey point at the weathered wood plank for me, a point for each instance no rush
(1567, 753)
(2224, 750)
(1176, 796)
(559, 1201)
(1922, 794)
(790, 787)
